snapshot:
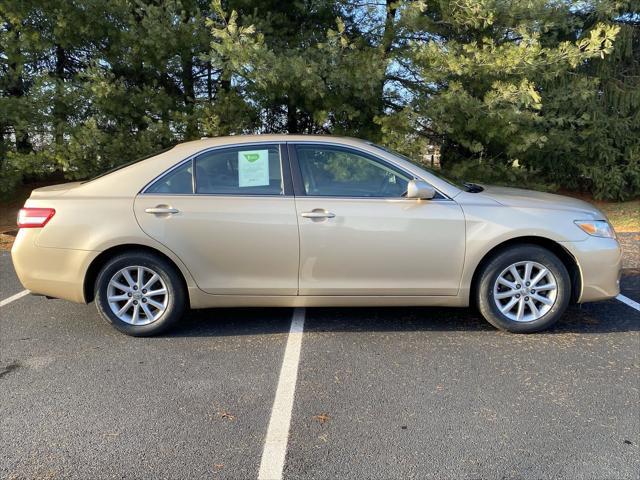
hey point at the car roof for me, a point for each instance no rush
(206, 142)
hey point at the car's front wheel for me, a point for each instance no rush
(523, 289)
(139, 293)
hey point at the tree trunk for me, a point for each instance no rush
(292, 117)
(387, 45)
(189, 95)
(16, 89)
(59, 107)
(209, 84)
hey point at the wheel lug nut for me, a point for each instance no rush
(518, 295)
(144, 300)
(527, 284)
(526, 299)
(533, 291)
(129, 294)
(144, 290)
(135, 302)
(518, 285)
(135, 287)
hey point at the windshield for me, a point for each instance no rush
(421, 165)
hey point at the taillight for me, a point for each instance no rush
(34, 217)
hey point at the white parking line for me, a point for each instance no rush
(13, 298)
(628, 301)
(275, 444)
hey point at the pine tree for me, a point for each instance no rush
(487, 75)
(593, 131)
(536, 93)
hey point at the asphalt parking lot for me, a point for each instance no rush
(380, 393)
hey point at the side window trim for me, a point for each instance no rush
(285, 172)
(298, 183)
(192, 160)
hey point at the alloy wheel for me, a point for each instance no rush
(137, 295)
(525, 291)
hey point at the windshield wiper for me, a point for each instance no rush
(473, 187)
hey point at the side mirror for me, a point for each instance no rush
(420, 189)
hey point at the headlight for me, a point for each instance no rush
(596, 228)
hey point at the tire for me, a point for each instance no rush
(157, 312)
(494, 296)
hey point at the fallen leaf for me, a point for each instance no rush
(226, 415)
(322, 418)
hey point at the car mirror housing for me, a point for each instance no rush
(420, 189)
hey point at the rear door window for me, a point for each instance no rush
(246, 170)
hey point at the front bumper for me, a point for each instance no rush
(600, 264)
(54, 272)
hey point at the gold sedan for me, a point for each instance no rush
(278, 220)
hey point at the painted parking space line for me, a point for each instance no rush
(13, 298)
(629, 302)
(275, 444)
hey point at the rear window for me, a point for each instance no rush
(124, 165)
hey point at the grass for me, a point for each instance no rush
(624, 216)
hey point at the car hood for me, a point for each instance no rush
(520, 198)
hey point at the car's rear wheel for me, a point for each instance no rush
(139, 293)
(523, 289)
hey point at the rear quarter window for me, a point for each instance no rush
(177, 182)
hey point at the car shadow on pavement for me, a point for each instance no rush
(604, 317)
(232, 322)
(601, 318)
(630, 283)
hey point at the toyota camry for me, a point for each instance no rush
(282, 220)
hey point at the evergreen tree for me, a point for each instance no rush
(503, 87)
(592, 116)
(543, 93)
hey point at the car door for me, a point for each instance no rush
(229, 214)
(360, 236)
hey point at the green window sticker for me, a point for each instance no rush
(253, 168)
(251, 157)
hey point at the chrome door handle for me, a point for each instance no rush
(161, 210)
(318, 214)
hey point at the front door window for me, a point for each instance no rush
(337, 172)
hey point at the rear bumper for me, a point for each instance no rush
(600, 264)
(54, 272)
